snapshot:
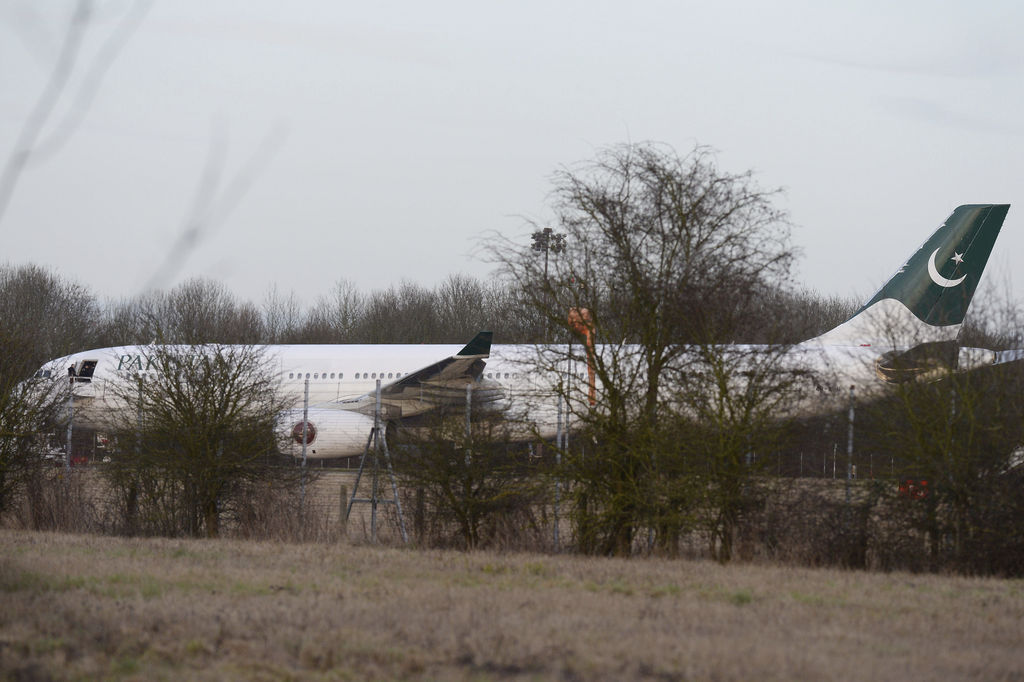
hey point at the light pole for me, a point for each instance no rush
(548, 241)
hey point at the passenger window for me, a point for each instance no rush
(390, 375)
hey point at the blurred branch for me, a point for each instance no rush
(45, 104)
(91, 82)
(27, 148)
(209, 211)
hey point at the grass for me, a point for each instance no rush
(77, 607)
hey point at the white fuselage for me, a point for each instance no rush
(339, 373)
(335, 373)
(342, 379)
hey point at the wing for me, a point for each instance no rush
(441, 383)
(437, 381)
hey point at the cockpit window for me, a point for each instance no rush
(43, 374)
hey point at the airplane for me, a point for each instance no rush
(907, 330)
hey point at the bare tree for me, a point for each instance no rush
(734, 402)
(41, 317)
(334, 318)
(49, 315)
(462, 307)
(954, 438)
(667, 254)
(28, 408)
(403, 314)
(196, 311)
(475, 485)
(282, 316)
(195, 433)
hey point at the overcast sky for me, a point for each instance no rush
(379, 141)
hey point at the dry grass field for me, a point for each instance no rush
(81, 606)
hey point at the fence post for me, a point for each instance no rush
(420, 516)
(343, 509)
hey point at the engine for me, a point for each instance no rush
(924, 362)
(328, 433)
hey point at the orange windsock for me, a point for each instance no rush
(582, 323)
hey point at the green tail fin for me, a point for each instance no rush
(939, 280)
(480, 345)
(927, 299)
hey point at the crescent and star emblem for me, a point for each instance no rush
(933, 271)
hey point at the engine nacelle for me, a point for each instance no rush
(329, 433)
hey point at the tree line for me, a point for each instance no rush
(682, 274)
(44, 315)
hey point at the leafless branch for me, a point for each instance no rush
(46, 103)
(209, 211)
(90, 85)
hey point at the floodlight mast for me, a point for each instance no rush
(548, 241)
